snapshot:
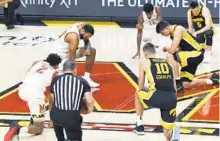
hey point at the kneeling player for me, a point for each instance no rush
(186, 52)
(38, 77)
(161, 92)
(200, 20)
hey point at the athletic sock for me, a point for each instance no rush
(87, 75)
(139, 120)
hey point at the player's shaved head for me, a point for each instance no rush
(69, 65)
(149, 48)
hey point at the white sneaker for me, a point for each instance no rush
(94, 90)
(175, 134)
(91, 82)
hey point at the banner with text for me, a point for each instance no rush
(109, 8)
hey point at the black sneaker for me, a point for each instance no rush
(13, 132)
(179, 86)
(139, 130)
(11, 26)
(215, 79)
(19, 18)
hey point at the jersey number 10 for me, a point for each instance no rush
(162, 68)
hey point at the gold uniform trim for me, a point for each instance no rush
(191, 41)
(187, 75)
(167, 125)
(185, 55)
(142, 95)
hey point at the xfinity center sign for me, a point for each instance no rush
(109, 8)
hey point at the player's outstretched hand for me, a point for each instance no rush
(137, 55)
(87, 52)
(194, 34)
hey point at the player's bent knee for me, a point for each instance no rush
(37, 125)
(93, 51)
(36, 128)
(186, 85)
(167, 125)
(209, 33)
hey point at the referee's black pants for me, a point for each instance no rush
(70, 121)
(9, 12)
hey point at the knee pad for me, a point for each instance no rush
(200, 38)
(209, 33)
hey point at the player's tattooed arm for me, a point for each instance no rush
(87, 44)
(72, 39)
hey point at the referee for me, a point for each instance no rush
(68, 92)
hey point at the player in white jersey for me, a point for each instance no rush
(32, 89)
(146, 21)
(68, 48)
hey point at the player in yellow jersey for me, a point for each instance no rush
(201, 26)
(187, 52)
(161, 92)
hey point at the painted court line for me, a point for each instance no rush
(68, 23)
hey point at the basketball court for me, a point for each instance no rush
(114, 115)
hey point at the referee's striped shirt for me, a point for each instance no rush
(68, 91)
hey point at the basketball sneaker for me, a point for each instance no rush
(91, 82)
(13, 132)
(139, 130)
(179, 86)
(215, 79)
